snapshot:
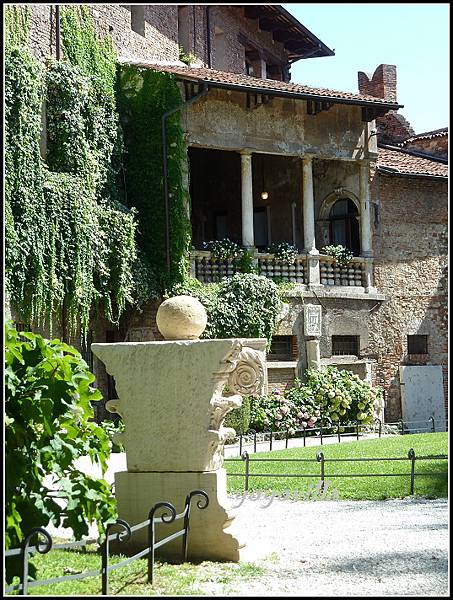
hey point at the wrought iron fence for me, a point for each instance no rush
(338, 430)
(122, 536)
(320, 458)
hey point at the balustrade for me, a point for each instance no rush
(332, 273)
(207, 268)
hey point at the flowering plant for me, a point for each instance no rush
(340, 254)
(284, 252)
(289, 410)
(328, 396)
(342, 396)
(223, 249)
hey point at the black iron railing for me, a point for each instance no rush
(334, 430)
(321, 460)
(123, 536)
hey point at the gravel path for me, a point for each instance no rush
(346, 548)
(334, 548)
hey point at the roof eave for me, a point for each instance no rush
(388, 171)
(287, 94)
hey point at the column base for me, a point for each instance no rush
(211, 535)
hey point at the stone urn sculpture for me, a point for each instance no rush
(173, 398)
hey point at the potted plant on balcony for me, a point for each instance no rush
(283, 252)
(224, 249)
(341, 255)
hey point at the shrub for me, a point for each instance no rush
(341, 395)
(239, 418)
(327, 397)
(48, 426)
(245, 305)
(291, 409)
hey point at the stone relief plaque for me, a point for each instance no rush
(312, 320)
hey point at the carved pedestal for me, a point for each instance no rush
(173, 398)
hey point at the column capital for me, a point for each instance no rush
(307, 159)
(245, 152)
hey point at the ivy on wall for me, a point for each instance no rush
(70, 241)
(143, 97)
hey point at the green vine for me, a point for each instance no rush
(17, 25)
(26, 231)
(144, 96)
(70, 241)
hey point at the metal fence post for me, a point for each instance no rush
(320, 459)
(402, 426)
(411, 455)
(320, 431)
(25, 555)
(254, 442)
(245, 456)
(433, 427)
(357, 429)
(240, 444)
(380, 425)
(185, 539)
(305, 441)
(270, 442)
(338, 431)
(152, 533)
(105, 550)
(286, 440)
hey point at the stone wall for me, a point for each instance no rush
(221, 120)
(159, 42)
(227, 25)
(434, 146)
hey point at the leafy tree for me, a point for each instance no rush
(48, 426)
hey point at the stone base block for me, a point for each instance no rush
(211, 536)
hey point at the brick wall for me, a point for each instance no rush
(381, 84)
(410, 269)
(160, 40)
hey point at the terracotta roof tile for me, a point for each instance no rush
(241, 80)
(428, 135)
(405, 163)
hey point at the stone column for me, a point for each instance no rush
(309, 222)
(247, 199)
(365, 212)
(309, 206)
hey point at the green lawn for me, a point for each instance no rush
(356, 488)
(169, 579)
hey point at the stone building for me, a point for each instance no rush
(308, 166)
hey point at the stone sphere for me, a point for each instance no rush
(181, 318)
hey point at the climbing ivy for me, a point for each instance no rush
(26, 230)
(70, 241)
(17, 25)
(144, 96)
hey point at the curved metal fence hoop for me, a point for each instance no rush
(201, 506)
(152, 532)
(25, 552)
(124, 536)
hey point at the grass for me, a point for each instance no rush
(169, 579)
(354, 488)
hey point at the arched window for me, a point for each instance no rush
(344, 225)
